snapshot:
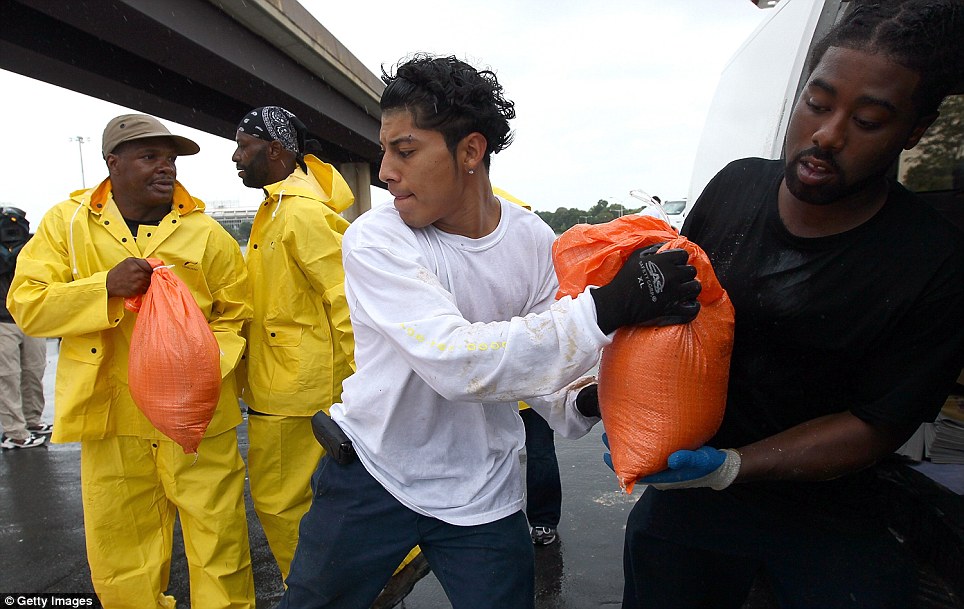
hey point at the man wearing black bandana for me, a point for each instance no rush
(300, 344)
(272, 124)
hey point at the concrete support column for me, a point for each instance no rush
(359, 178)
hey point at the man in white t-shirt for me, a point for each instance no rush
(452, 299)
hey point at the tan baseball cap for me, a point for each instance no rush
(129, 127)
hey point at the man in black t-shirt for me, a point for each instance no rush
(849, 300)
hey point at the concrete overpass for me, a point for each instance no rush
(204, 63)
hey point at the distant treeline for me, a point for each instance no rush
(560, 220)
(565, 218)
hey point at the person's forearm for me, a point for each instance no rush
(821, 449)
(562, 414)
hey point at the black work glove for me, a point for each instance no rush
(651, 288)
(587, 401)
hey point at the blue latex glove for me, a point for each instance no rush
(608, 458)
(705, 467)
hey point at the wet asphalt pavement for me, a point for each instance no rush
(42, 532)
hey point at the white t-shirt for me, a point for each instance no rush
(450, 333)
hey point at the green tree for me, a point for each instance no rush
(563, 218)
(939, 150)
(240, 233)
(601, 212)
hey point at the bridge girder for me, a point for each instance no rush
(201, 63)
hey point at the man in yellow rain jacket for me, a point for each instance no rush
(300, 342)
(71, 281)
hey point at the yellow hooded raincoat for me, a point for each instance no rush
(300, 342)
(59, 290)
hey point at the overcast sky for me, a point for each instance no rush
(610, 96)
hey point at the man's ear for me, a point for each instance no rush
(275, 150)
(111, 160)
(923, 124)
(471, 151)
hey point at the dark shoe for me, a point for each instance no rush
(543, 536)
(31, 442)
(402, 583)
(44, 429)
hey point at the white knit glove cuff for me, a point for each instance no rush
(718, 479)
(727, 473)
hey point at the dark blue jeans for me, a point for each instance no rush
(701, 548)
(356, 533)
(543, 486)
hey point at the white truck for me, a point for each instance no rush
(748, 118)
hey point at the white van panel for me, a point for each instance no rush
(756, 91)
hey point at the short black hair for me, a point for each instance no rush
(926, 36)
(447, 95)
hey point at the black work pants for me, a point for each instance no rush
(543, 484)
(705, 548)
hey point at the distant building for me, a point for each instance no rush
(230, 215)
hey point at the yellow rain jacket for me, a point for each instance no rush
(300, 342)
(510, 198)
(60, 289)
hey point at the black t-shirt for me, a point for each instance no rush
(135, 225)
(870, 320)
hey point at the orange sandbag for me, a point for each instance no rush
(660, 389)
(174, 370)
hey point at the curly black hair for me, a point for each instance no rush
(447, 95)
(926, 36)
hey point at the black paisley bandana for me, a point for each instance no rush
(271, 123)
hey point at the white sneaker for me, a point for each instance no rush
(44, 429)
(543, 536)
(32, 442)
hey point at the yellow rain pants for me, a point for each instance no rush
(282, 456)
(131, 488)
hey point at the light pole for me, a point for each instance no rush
(81, 140)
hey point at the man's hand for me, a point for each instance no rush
(130, 277)
(705, 467)
(655, 288)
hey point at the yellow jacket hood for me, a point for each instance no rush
(505, 195)
(322, 182)
(96, 198)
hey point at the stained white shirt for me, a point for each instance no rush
(450, 333)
